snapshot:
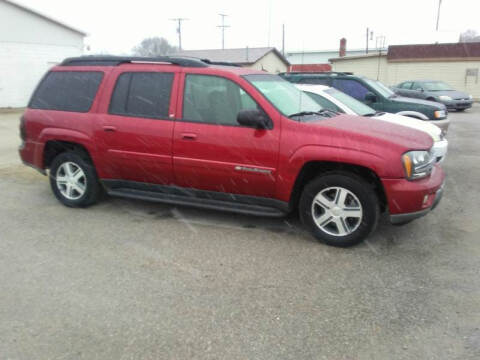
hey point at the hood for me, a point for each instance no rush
(432, 130)
(433, 104)
(454, 94)
(355, 130)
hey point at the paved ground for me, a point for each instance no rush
(135, 280)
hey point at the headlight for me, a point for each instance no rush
(439, 114)
(417, 164)
(445, 98)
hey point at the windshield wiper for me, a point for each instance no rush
(322, 112)
(303, 113)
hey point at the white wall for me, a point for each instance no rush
(392, 73)
(19, 26)
(23, 65)
(29, 46)
(271, 63)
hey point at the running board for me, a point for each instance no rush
(206, 203)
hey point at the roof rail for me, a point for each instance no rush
(222, 63)
(317, 72)
(92, 60)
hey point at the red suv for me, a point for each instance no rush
(191, 132)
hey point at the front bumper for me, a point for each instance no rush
(442, 124)
(402, 218)
(412, 199)
(458, 104)
(440, 149)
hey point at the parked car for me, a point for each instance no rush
(376, 95)
(335, 100)
(435, 91)
(187, 132)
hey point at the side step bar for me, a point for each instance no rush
(206, 203)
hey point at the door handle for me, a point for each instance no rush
(109, 128)
(189, 136)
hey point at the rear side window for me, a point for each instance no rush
(67, 91)
(351, 87)
(142, 94)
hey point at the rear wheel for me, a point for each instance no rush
(73, 180)
(340, 209)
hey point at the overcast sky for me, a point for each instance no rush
(117, 26)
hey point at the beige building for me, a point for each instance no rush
(265, 58)
(456, 64)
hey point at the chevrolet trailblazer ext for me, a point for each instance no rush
(191, 132)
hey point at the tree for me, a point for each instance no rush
(469, 36)
(154, 46)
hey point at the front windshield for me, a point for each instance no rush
(436, 86)
(283, 94)
(378, 86)
(356, 106)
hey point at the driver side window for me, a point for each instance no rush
(351, 87)
(214, 100)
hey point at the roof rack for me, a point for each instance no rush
(317, 72)
(117, 60)
(222, 63)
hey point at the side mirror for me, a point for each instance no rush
(253, 118)
(370, 97)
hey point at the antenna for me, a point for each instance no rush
(223, 26)
(179, 31)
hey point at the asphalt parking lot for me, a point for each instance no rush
(135, 280)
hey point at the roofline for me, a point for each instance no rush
(271, 48)
(278, 53)
(365, 56)
(324, 51)
(45, 17)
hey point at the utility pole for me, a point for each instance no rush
(179, 31)
(438, 13)
(223, 26)
(283, 39)
(366, 49)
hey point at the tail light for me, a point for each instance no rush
(23, 132)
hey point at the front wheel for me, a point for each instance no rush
(340, 209)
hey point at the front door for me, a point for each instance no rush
(136, 130)
(211, 151)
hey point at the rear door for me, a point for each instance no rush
(211, 151)
(135, 131)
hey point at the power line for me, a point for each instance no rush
(438, 13)
(223, 26)
(179, 31)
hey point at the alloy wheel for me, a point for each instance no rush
(337, 211)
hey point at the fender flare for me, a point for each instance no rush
(415, 114)
(310, 153)
(73, 136)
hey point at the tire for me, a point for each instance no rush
(359, 200)
(73, 180)
(461, 110)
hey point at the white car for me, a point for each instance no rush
(333, 99)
